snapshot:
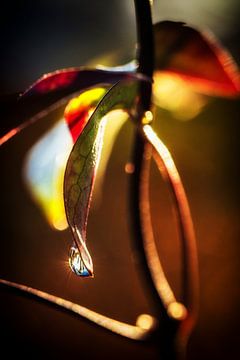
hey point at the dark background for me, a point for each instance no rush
(38, 37)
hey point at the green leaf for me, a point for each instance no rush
(83, 161)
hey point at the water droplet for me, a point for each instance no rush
(76, 264)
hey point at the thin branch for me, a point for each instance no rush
(120, 328)
(169, 171)
(163, 288)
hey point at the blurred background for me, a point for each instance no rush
(39, 37)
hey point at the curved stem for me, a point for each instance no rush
(161, 284)
(159, 288)
(120, 328)
(169, 171)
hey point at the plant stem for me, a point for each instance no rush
(165, 338)
(145, 48)
(145, 59)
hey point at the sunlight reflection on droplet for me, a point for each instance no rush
(76, 264)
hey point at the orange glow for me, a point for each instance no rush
(129, 168)
(8, 136)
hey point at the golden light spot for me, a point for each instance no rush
(147, 118)
(177, 311)
(172, 93)
(145, 321)
(85, 100)
(129, 168)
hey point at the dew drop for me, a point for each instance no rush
(76, 264)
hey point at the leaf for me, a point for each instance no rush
(46, 160)
(196, 57)
(53, 90)
(71, 80)
(45, 181)
(77, 114)
(83, 161)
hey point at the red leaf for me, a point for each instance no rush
(79, 109)
(57, 80)
(73, 79)
(53, 90)
(197, 58)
